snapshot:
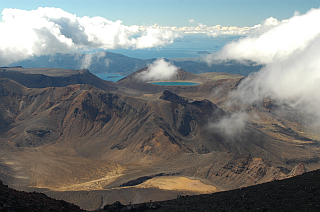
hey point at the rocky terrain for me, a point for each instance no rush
(90, 138)
(14, 201)
(298, 193)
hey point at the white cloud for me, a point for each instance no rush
(218, 30)
(279, 40)
(52, 30)
(152, 37)
(87, 59)
(158, 70)
(291, 75)
(231, 126)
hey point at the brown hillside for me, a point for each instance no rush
(80, 138)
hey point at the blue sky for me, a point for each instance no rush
(175, 12)
(66, 26)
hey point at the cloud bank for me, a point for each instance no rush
(158, 70)
(51, 30)
(219, 30)
(291, 75)
(279, 40)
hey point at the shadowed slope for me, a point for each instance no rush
(298, 193)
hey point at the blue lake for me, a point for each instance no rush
(174, 83)
(109, 76)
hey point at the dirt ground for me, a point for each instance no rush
(178, 183)
(300, 193)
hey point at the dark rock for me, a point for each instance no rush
(116, 206)
(172, 97)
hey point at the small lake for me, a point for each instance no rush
(174, 83)
(109, 76)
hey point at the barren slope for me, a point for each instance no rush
(79, 137)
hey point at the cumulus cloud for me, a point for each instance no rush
(279, 40)
(153, 37)
(158, 70)
(218, 30)
(291, 75)
(258, 29)
(52, 30)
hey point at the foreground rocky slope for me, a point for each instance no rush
(14, 201)
(298, 193)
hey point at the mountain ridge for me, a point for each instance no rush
(98, 139)
(109, 62)
(51, 77)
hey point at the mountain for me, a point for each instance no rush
(51, 77)
(127, 138)
(116, 63)
(298, 193)
(97, 63)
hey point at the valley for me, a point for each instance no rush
(73, 136)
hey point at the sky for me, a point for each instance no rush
(44, 27)
(238, 13)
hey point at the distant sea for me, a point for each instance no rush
(189, 47)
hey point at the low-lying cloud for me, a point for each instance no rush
(158, 70)
(52, 30)
(291, 76)
(87, 59)
(231, 126)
